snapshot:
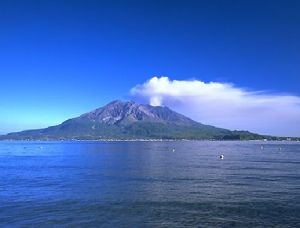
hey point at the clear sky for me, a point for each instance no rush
(59, 59)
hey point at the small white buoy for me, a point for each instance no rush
(262, 147)
(280, 148)
(221, 156)
(173, 150)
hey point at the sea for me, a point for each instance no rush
(149, 184)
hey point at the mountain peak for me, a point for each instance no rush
(116, 102)
(124, 112)
(126, 120)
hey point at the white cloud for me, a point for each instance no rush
(225, 105)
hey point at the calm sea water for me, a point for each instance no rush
(146, 184)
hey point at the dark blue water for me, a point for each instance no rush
(145, 184)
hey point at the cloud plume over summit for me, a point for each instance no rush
(224, 105)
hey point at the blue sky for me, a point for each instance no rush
(59, 59)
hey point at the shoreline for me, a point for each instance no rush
(143, 140)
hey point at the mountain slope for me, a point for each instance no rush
(129, 120)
